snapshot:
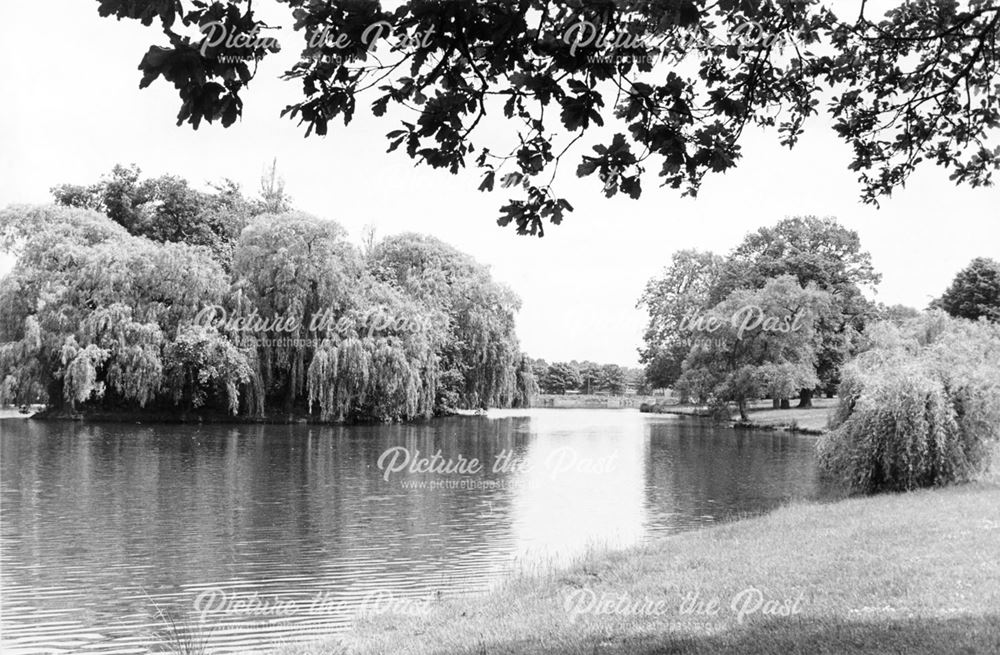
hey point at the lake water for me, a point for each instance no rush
(263, 535)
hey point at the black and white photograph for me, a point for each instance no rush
(500, 327)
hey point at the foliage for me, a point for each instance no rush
(21, 364)
(95, 316)
(815, 251)
(91, 307)
(756, 343)
(591, 377)
(683, 288)
(480, 355)
(975, 292)
(273, 198)
(202, 365)
(586, 377)
(613, 379)
(370, 377)
(897, 314)
(376, 367)
(668, 85)
(74, 229)
(290, 266)
(560, 378)
(79, 371)
(166, 208)
(527, 384)
(919, 408)
(135, 371)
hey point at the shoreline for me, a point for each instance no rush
(775, 420)
(692, 593)
(763, 417)
(221, 418)
(210, 418)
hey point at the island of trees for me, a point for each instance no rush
(105, 310)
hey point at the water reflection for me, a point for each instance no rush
(599, 457)
(102, 525)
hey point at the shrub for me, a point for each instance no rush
(920, 408)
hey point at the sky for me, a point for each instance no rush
(72, 109)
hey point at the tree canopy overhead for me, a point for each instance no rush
(634, 86)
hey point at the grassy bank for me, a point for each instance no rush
(917, 573)
(762, 415)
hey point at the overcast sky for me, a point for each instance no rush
(72, 109)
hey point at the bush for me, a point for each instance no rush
(919, 408)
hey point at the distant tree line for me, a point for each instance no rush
(105, 305)
(588, 378)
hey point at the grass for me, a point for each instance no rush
(178, 633)
(813, 420)
(914, 573)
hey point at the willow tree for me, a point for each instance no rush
(920, 406)
(52, 246)
(132, 352)
(98, 315)
(371, 378)
(288, 268)
(382, 360)
(527, 385)
(480, 359)
(93, 307)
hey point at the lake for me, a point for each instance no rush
(263, 535)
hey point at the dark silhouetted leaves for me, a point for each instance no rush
(916, 83)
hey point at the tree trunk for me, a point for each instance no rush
(785, 404)
(775, 403)
(742, 403)
(805, 398)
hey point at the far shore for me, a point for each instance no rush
(593, 401)
(813, 420)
